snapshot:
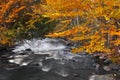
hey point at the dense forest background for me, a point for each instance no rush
(93, 24)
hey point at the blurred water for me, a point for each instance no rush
(41, 50)
(50, 59)
(38, 45)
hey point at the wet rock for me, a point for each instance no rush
(103, 77)
(76, 75)
(107, 62)
(28, 49)
(107, 68)
(102, 62)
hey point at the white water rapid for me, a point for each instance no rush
(54, 61)
(43, 52)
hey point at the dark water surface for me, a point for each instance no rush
(51, 59)
(54, 70)
(34, 73)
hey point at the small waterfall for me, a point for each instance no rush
(39, 45)
(51, 59)
(50, 55)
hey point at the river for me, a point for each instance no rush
(51, 59)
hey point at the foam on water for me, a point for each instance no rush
(38, 45)
(46, 68)
(46, 53)
(62, 72)
(55, 48)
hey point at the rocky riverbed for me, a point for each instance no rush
(51, 59)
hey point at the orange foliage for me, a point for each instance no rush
(3, 39)
(10, 12)
(69, 32)
(99, 28)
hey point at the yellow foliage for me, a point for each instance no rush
(80, 49)
(69, 32)
(115, 33)
(9, 10)
(79, 38)
(99, 27)
(100, 21)
(116, 42)
(3, 39)
(9, 13)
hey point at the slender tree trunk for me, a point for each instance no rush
(108, 40)
(77, 20)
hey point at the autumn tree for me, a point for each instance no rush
(93, 23)
(18, 19)
(10, 11)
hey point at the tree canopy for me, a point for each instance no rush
(94, 24)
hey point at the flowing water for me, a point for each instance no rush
(48, 59)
